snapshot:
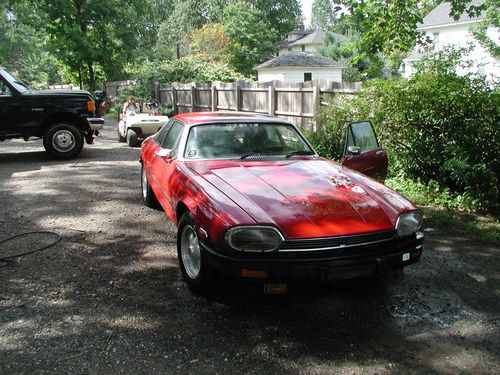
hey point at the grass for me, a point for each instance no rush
(472, 225)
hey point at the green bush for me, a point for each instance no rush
(437, 126)
(187, 69)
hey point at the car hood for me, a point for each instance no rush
(308, 197)
(74, 93)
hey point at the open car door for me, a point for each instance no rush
(362, 151)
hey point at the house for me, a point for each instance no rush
(299, 67)
(439, 27)
(297, 61)
(301, 41)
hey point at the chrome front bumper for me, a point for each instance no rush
(95, 123)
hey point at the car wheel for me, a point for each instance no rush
(148, 195)
(132, 138)
(193, 263)
(120, 137)
(63, 141)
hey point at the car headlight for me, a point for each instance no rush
(408, 223)
(254, 238)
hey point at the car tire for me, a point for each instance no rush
(132, 138)
(120, 138)
(148, 195)
(63, 141)
(195, 269)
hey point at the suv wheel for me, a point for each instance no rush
(63, 141)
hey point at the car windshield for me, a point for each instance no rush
(18, 84)
(242, 140)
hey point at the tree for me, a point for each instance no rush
(281, 16)
(323, 15)
(252, 38)
(22, 48)
(210, 43)
(390, 27)
(91, 35)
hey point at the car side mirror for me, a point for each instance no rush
(354, 150)
(164, 153)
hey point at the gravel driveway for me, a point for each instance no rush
(108, 298)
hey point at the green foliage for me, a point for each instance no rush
(322, 14)
(89, 33)
(187, 69)
(252, 39)
(430, 193)
(437, 126)
(210, 43)
(331, 124)
(492, 20)
(390, 27)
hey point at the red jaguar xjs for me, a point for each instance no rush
(252, 199)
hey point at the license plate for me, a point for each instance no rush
(406, 256)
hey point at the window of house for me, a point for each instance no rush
(435, 39)
(307, 77)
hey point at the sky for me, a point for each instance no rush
(306, 11)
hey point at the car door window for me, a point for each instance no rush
(173, 136)
(361, 134)
(162, 133)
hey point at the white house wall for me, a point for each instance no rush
(297, 75)
(460, 36)
(307, 48)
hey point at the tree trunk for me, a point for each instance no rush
(80, 76)
(90, 65)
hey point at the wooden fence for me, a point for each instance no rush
(295, 102)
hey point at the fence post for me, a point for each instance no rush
(157, 92)
(271, 100)
(238, 97)
(316, 99)
(193, 97)
(174, 100)
(214, 98)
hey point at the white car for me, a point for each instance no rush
(134, 128)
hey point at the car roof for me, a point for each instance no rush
(198, 118)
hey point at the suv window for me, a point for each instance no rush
(4, 89)
(173, 135)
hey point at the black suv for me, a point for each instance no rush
(63, 118)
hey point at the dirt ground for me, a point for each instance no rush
(109, 299)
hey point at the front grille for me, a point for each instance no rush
(337, 242)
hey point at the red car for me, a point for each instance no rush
(253, 200)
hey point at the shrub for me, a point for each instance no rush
(437, 126)
(187, 69)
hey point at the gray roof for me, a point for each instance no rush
(285, 42)
(441, 15)
(299, 59)
(315, 37)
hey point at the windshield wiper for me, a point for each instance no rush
(243, 157)
(300, 152)
(260, 150)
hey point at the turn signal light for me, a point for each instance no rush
(90, 106)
